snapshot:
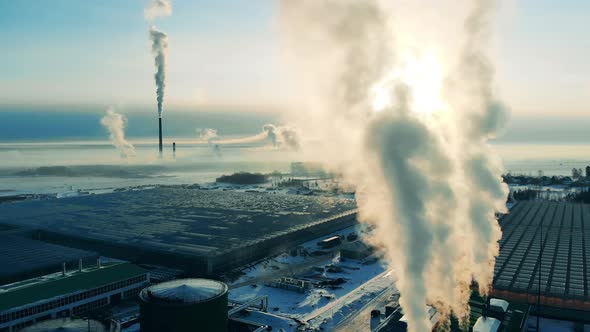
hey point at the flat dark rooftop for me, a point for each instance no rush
(565, 262)
(21, 257)
(190, 221)
(34, 290)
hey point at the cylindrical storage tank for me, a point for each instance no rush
(184, 305)
(66, 325)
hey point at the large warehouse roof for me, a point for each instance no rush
(565, 262)
(34, 290)
(185, 221)
(24, 258)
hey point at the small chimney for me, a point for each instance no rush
(80, 265)
(63, 269)
(98, 263)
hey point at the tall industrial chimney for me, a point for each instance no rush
(160, 126)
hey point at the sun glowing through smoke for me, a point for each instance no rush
(423, 77)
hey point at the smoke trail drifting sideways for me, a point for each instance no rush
(413, 145)
(280, 137)
(159, 50)
(157, 8)
(115, 124)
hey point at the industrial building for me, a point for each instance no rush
(23, 258)
(69, 293)
(203, 232)
(356, 250)
(184, 305)
(550, 237)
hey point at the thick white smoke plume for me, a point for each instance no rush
(115, 124)
(159, 50)
(410, 132)
(154, 9)
(157, 8)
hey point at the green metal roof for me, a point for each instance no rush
(74, 282)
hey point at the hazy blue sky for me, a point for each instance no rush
(227, 51)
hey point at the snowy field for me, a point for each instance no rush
(321, 306)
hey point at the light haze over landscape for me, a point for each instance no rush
(366, 159)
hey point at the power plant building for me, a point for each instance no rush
(184, 305)
(203, 232)
(68, 294)
(562, 257)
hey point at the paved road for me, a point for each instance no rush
(361, 320)
(380, 286)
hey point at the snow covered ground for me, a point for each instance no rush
(284, 264)
(322, 306)
(301, 305)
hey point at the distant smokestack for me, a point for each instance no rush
(80, 265)
(174, 150)
(63, 268)
(154, 9)
(160, 126)
(98, 263)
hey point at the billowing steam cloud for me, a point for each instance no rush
(115, 124)
(410, 135)
(159, 50)
(157, 8)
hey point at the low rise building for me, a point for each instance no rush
(356, 250)
(68, 294)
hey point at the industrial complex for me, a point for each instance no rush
(550, 241)
(288, 263)
(200, 231)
